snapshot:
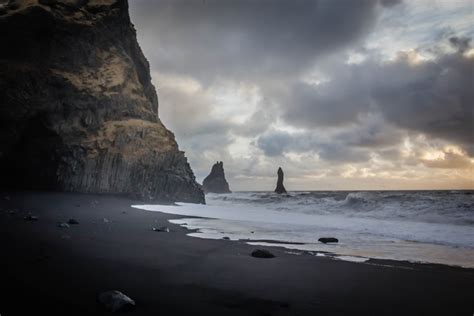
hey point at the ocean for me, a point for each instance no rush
(416, 226)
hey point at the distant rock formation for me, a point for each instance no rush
(280, 188)
(215, 182)
(78, 109)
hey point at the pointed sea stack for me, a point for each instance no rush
(280, 188)
(215, 182)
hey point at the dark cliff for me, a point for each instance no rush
(215, 182)
(78, 111)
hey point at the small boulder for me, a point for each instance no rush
(262, 253)
(63, 225)
(226, 238)
(72, 221)
(115, 300)
(326, 240)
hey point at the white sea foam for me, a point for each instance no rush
(367, 224)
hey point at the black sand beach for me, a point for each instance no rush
(51, 270)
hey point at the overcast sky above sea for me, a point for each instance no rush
(340, 94)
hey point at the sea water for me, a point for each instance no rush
(416, 226)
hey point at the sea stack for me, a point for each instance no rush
(280, 188)
(215, 182)
(78, 109)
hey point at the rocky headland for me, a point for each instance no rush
(78, 109)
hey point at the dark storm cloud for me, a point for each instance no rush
(328, 104)
(247, 39)
(276, 143)
(434, 97)
(461, 43)
(390, 3)
(372, 132)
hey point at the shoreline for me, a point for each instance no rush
(236, 222)
(59, 270)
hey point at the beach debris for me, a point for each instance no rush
(262, 253)
(326, 240)
(115, 300)
(163, 229)
(106, 220)
(226, 238)
(63, 225)
(72, 221)
(30, 217)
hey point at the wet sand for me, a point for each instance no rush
(50, 270)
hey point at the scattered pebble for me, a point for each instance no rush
(115, 300)
(72, 221)
(106, 220)
(30, 217)
(161, 229)
(262, 253)
(63, 225)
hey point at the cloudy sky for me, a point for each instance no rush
(342, 94)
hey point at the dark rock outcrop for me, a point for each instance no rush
(280, 188)
(326, 240)
(78, 109)
(215, 182)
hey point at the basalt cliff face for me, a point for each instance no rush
(78, 111)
